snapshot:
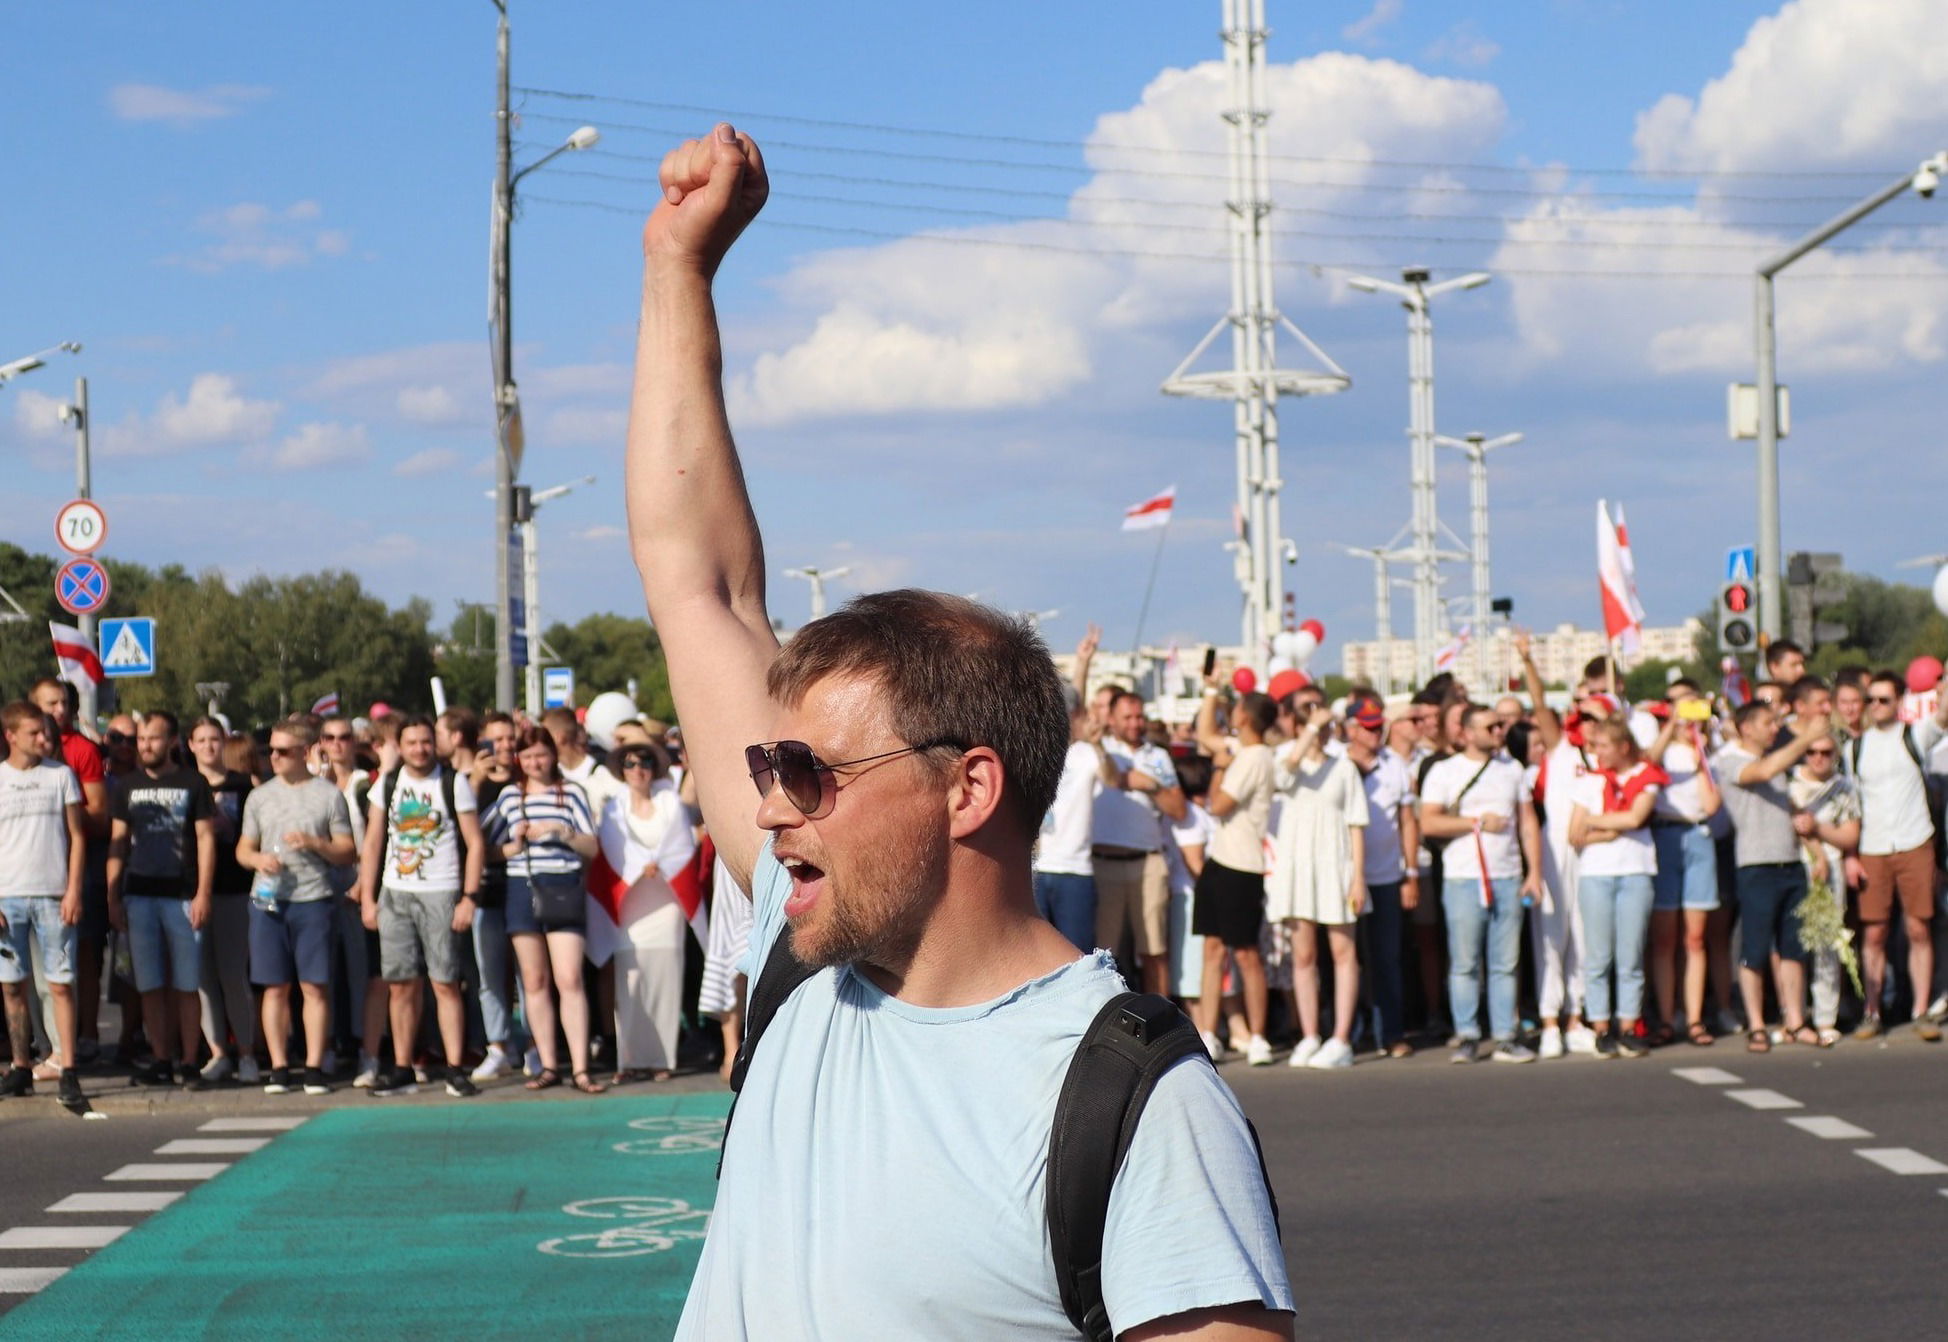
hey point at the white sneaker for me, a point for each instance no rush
(531, 1062)
(1332, 1055)
(1938, 1009)
(1580, 1039)
(248, 1072)
(1551, 1043)
(1212, 1045)
(219, 1068)
(495, 1064)
(368, 1072)
(1303, 1053)
(1257, 1052)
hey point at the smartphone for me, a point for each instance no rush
(1210, 660)
(1694, 710)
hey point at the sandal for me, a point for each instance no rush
(1700, 1035)
(1663, 1035)
(1828, 1036)
(1804, 1034)
(546, 1079)
(587, 1084)
(1758, 1041)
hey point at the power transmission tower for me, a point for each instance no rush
(1254, 381)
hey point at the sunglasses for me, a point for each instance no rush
(1823, 753)
(336, 736)
(1881, 699)
(120, 739)
(286, 750)
(792, 766)
(635, 762)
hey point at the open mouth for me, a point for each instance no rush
(807, 884)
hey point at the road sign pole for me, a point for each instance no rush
(84, 489)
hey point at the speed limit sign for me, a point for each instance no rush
(81, 527)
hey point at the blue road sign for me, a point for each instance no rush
(1741, 563)
(128, 646)
(557, 687)
(81, 586)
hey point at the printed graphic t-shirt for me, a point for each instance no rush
(161, 811)
(422, 840)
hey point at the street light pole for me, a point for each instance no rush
(1771, 555)
(1382, 678)
(1415, 295)
(508, 438)
(818, 577)
(1477, 447)
(83, 489)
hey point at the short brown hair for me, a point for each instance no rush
(17, 712)
(464, 723)
(951, 669)
(302, 726)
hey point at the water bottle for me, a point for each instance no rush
(269, 886)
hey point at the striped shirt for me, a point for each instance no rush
(566, 805)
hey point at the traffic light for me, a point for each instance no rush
(1738, 627)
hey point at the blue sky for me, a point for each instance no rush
(993, 236)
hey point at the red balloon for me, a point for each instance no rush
(1285, 682)
(1316, 629)
(1244, 680)
(1923, 674)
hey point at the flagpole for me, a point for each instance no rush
(1143, 611)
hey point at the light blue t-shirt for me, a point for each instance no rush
(884, 1177)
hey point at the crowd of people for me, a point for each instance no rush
(525, 882)
(1516, 881)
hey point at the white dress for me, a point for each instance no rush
(1315, 858)
(649, 934)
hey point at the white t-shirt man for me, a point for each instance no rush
(1126, 819)
(1632, 853)
(1894, 814)
(34, 829)
(885, 1177)
(1388, 787)
(1063, 849)
(1499, 790)
(422, 839)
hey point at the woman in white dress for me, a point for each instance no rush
(1318, 880)
(646, 838)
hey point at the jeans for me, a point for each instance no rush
(36, 917)
(1384, 926)
(490, 955)
(1068, 901)
(1469, 928)
(1616, 920)
(167, 951)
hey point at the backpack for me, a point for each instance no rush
(1930, 785)
(1134, 1039)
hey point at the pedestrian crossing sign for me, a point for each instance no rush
(128, 646)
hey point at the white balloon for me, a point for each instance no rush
(1304, 644)
(609, 710)
(1941, 591)
(1276, 665)
(1283, 643)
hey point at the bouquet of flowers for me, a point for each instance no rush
(1823, 927)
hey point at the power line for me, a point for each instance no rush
(884, 128)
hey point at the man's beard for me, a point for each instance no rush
(878, 917)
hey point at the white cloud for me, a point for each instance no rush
(433, 404)
(583, 426)
(213, 412)
(315, 446)
(1822, 83)
(38, 415)
(432, 461)
(600, 532)
(181, 107)
(1365, 28)
(254, 234)
(1463, 45)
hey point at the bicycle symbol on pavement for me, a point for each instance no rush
(654, 1226)
(674, 1137)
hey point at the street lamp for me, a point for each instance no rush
(1923, 181)
(507, 405)
(1415, 293)
(27, 364)
(1477, 447)
(526, 501)
(818, 577)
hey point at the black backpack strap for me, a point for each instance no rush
(1134, 1039)
(782, 973)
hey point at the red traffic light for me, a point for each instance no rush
(1737, 598)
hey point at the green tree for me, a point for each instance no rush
(607, 651)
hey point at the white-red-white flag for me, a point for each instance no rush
(1152, 512)
(325, 705)
(79, 664)
(1621, 622)
(1450, 653)
(675, 860)
(1631, 642)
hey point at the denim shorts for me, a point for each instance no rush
(521, 920)
(36, 917)
(1687, 868)
(292, 941)
(167, 951)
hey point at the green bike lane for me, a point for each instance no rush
(561, 1218)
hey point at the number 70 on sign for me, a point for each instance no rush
(81, 526)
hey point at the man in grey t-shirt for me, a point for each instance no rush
(1752, 777)
(296, 828)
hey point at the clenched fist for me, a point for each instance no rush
(712, 188)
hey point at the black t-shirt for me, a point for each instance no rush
(228, 798)
(493, 871)
(161, 812)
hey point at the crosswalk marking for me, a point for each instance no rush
(212, 1146)
(1902, 1160)
(129, 1201)
(252, 1124)
(1764, 1099)
(1832, 1129)
(27, 1280)
(60, 1237)
(188, 1169)
(1705, 1076)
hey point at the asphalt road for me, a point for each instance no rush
(1575, 1198)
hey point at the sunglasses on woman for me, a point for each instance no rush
(803, 776)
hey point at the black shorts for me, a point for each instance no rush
(1228, 905)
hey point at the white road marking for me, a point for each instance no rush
(187, 1169)
(1764, 1099)
(1902, 1160)
(252, 1124)
(212, 1146)
(1832, 1129)
(60, 1237)
(1705, 1076)
(27, 1280)
(130, 1201)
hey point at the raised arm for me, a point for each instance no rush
(691, 528)
(1548, 727)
